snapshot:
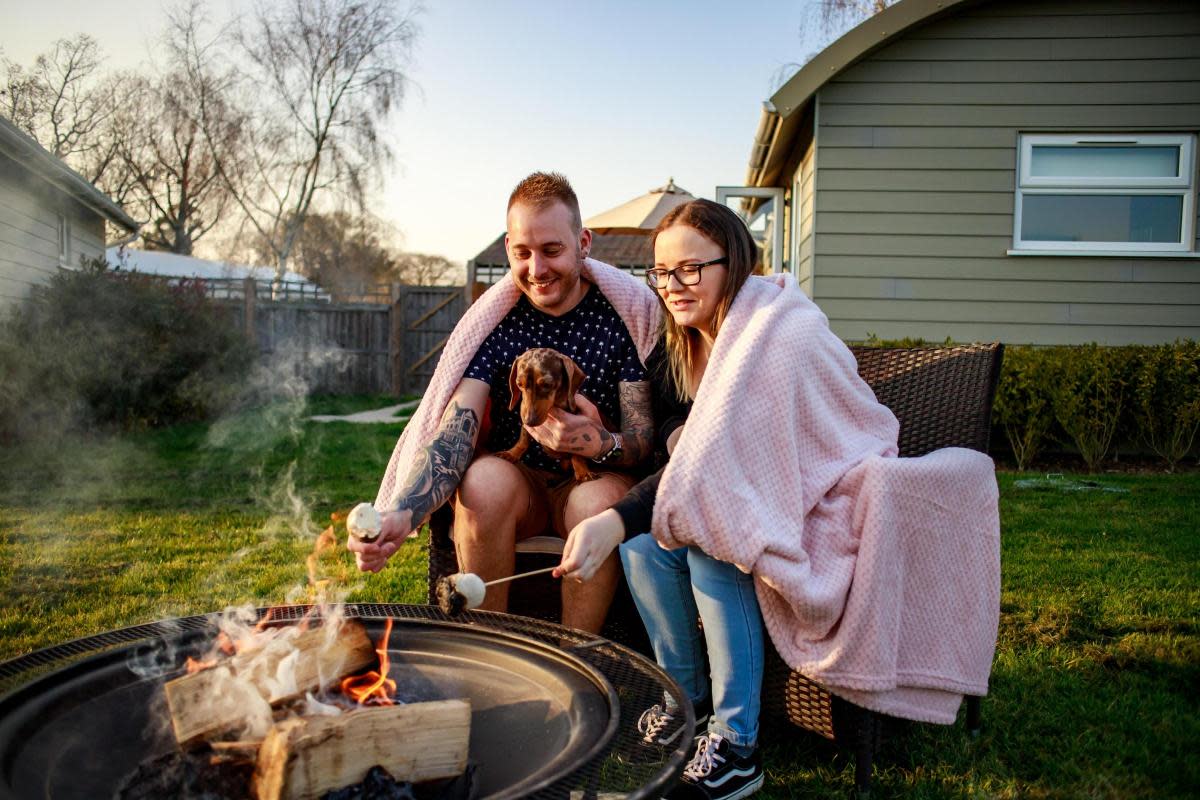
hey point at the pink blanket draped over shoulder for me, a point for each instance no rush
(878, 576)
(633, 300)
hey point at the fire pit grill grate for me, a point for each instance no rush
(638, 682)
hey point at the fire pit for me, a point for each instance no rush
(550, 706)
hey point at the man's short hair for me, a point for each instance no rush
(543, 188)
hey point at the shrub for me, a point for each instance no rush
(1022, 406)
(1166, 407)
(97, 348)
(1087, 393)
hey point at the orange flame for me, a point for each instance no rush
(373, 688)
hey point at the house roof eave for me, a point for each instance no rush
(31, 155)
(790, 100)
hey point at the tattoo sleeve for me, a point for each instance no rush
(637, 422)
(439, 468)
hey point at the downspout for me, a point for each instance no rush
(768, 125)
(128, 240)
(812, 278)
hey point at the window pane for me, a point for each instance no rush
(1104, 162)
(1101, 218)
(761, 223)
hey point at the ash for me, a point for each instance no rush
(380, 785)
(195, 775)
(201, 774)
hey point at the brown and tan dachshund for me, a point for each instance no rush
(541, 379)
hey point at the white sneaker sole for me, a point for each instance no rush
(747, 790)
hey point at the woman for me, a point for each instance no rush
(703, 255)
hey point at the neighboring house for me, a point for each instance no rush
(630, 251)
(50, 217)
(1021, 171)
(226, 278)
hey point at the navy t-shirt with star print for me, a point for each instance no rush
(591, 333)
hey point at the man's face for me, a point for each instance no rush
(546, 256)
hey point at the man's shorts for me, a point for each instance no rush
(548, 495)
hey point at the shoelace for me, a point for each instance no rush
(652, 721)
(706, 758)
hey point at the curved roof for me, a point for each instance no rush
(780, 121)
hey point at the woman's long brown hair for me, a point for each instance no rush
(725, 229)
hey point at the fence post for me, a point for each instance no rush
(396, 340)
(249, 290)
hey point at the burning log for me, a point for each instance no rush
(302, 759)
(240, 690)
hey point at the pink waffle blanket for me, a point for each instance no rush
(878, 576)
(633, 300)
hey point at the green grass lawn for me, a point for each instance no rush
(1097, 671)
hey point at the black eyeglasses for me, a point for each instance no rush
(688, 274)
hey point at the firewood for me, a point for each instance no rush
(303, 758)
(240, 690)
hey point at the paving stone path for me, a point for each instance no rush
(396, 413)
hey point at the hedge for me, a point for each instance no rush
(96, 349)
(1092, 398)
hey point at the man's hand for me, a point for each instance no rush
(589, 544)
(579, 434)
(373, 556)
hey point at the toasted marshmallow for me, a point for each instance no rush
(364, 522)
(471, 587)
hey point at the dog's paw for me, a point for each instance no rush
(509, 456)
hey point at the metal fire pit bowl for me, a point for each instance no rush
(554, 710)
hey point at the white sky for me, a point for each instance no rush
(618, 95)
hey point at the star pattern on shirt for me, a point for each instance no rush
(592, 334)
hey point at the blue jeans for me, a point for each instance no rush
(673, 590)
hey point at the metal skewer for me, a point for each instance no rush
(521, 575)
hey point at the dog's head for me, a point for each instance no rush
(541, 379)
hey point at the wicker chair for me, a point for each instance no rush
(942, 397)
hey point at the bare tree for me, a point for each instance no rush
(325, 74)
(65, 101)
(424, 269)
(833, 18)
(175, 133)
(343, 252)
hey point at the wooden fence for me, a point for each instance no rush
(351, 347)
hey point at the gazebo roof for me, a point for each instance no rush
(618, 249)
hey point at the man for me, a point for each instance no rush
(498, 503)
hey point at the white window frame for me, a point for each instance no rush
(1183, 184)
(64, 240)
(768, 193)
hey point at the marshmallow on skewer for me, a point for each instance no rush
(364, 522)
(459, 592)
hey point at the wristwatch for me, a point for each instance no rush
(614, 452)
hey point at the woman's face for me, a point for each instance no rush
(690, 306)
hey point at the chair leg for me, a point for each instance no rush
(974, 715)
(864, 752)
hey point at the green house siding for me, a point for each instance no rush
(915, 173)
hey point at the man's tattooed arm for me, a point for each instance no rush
(637, 424)
(439, 468)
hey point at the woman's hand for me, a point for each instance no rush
(373, 556)
(589, 544)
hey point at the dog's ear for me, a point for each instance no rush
(567, 390)
(512, 385)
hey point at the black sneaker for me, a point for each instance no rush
(717, 773)
(659, 726)
(660, 730)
